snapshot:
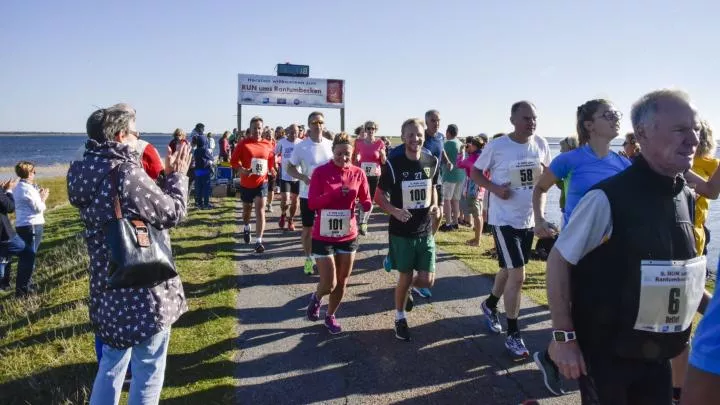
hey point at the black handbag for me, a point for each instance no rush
(140, 254)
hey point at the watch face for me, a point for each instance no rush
(559, 336)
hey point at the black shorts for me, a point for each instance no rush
(306, 214)
(612, 380)
(248, 195)
(321, 248)
(271, 182)
(513, 246)
(438, 187)
(292, 187)
(372, 185)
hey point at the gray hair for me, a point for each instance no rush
(104, 124)
(644, 110)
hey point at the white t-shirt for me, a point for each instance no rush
(519, 164)
(308, 155)
(285, 149)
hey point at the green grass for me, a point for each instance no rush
(47, 351)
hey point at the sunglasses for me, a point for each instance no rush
(317, 122)
(371, 128)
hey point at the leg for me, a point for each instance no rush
(26, 260)
(424, 279)
(455, 205)
(344, 263)
(402, 290)
(679, 370)
(284, 201)
(198, 191)
(148, 364)
(208, 191)
(328, 277)
(513, 291)
(259, 217)
(293, 205)
(247, 212)
(110, 376)
(500, 282)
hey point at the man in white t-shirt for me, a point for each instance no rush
(289, 186)
(312, 152)
(515, 163)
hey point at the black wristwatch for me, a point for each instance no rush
(563, 335)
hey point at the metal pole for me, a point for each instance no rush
(239, 117)
(342, 119)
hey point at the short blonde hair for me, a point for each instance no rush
(412, 121)
(24, 168)
(707, 141)
(570, 143)
(179, 133)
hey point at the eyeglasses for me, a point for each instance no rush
(317, 122)
(612, 115)
(371, 128)
(626, 143)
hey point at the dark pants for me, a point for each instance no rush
(32, 236)
(614, 381)
(8, 249)
(202, 190)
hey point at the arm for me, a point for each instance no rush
(446, 160)
(142, 198)
(382, 201)
(710, 188)
(294, 173)
(152, 163)
(364, 194)
(699, 386)
(501, 191)
(539, 197)
(7, 201)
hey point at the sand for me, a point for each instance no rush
(57, 170)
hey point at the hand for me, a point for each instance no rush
(178, 161)
(569, 359)
(244, 172)
(435, 211)
(305, 179)
(502, 191)
(10, 184)
(449, 166)
(44, 193)
(544, 229)
(401, 215)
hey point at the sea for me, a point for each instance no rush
(59, 149)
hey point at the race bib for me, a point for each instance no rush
(416, 194)
(334, 223)
(370, 168)
(670, 293)
(524, 174)
(287, 153)
(259, 166)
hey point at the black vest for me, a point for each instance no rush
(652, 217)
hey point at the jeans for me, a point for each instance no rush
(202, 190)
(148, 363)
(32, 236)
(10, 248)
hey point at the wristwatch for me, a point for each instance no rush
(563, 335)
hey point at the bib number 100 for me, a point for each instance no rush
(335, 224)
(418, 194)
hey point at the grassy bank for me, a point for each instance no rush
(46, 344)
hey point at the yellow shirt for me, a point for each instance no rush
(704, 167)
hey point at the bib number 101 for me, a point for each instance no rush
(335, 224)
(418, 194)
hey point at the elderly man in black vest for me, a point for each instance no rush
(624, 279)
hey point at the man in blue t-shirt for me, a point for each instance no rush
(703, 376)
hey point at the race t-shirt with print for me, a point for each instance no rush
(284, 149)
(410, 184)
(520, 165)
(368, 156)
(308, 155)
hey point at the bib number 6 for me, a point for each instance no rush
(674, 301)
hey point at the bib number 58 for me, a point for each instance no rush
(526, 175)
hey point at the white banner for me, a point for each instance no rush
(290, 91)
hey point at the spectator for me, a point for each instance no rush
(29, 221)
(10, 242)
(146, 334)
(631, 147)
(211, 142)
(179, 138)
(203, 169)
(225, 147)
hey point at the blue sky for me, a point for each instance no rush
(177, 61)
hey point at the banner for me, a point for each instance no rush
(290, 91)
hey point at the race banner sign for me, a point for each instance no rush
(290, 91)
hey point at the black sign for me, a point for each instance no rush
(286, 69)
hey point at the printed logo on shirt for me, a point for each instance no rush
(427, 171)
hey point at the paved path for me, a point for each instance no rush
(452, 359)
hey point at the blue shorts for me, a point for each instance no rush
(248, 195)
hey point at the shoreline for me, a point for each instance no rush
(41, 172)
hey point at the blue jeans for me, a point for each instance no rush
(202, 190)
(11, 247)
(32, 236)
(148, 363)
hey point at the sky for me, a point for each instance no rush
(177, 62)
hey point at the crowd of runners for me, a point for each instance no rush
(627, 271)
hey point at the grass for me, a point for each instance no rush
(47, 353)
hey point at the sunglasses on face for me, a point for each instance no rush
(371, 129)
(317, 122)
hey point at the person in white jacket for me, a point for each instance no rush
(29, 222)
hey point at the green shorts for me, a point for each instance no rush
(408, 254)
(474, 206)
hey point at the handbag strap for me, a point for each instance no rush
(114, 192)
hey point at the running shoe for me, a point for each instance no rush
(332, 324)
(423, 292)
(268, 209)
(409, 302)
(445, 228)
(308, 266)
(455, 227)
(491, 318)
(387, 265)
(291, 225)
(246, 234)
(402, 331)
(281, 222)
(259, 248)
(550, 372)
(313, 309)
(516, 345)
(363, 229)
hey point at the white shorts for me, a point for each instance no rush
(452, 191)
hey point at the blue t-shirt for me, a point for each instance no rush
(581, 169)
(435, 145)
(705, 353)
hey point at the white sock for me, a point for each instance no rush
(247, 227)
(399, 315)
(259, 239)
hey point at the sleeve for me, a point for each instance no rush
(560, 166)
(364, 193)
(142, 198)
(152, 163)
(271, 159)
(316, 199)
(235, 161)
(484, 161)
(33, 197)
(548, 154)
(590, 225)
(278, 148)
(436, 176)
(7, 203)
(705, 353)
(387, 178)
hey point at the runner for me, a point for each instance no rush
(453, 180)
(307, 155)
(410, 180)
(268, 136)
(598, 123)
(627, 262)
(289, 186)
(370, 154)
(334, 187)
(472, 193)
(251, 158)
(514, 163)
(359, 136)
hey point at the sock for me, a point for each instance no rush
(247, 227)
(259, 239)
(677, 392)
(399, 315)
(512, 326)
(492, 301)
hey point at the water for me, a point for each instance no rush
(45, 150)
